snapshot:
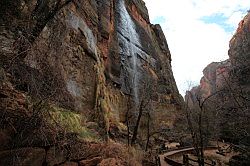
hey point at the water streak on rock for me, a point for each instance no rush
(130, 40)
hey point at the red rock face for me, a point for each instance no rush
(76, 56)
(70, 54)
(139, 18)
(236, 69)
(239, 52)
(215, 76)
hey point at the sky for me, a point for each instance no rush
(197, 32)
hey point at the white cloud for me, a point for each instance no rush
(192, 42)
(233, 20)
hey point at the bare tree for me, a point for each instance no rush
(197, 119)
(144, 106)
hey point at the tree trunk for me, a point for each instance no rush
(127, 119)
(134, 137)
(201, 158)
(148, 135)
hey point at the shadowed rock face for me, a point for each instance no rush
(235, 70)
(228, 83)
(79, 54)
(214, 79)
(239, 53)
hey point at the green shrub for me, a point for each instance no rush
(70, 122)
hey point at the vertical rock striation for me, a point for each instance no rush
(129, 44)
(239, 53)
(89, 56)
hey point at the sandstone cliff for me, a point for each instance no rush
(214, 79)
(239, 54)
(232, 72)
(227, 85)
(95, 58)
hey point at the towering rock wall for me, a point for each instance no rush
(235, 70)
(227, 86)
(239, 54)
(215, 77)
(90, 56)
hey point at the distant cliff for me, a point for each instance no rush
(227, 84)
(234, 71)
(215, 77)
(96, 58)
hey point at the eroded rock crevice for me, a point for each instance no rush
(82, 61)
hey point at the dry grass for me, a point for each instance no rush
(70, 122)
(119, 154)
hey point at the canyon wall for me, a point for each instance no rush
(232, 72)
(82, 53)
(102, 59)
(225, 87)
(215, 76)
(239, 55)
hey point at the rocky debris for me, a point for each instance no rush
(107, 154)
(111, 162)
(23, 156)
(90, 162)
(13, 109)
(79, 153)
(56, 155)
(240, 160)
(12, 100)
(70, 164)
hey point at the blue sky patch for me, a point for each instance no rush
(159, 20)
(218, 19)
